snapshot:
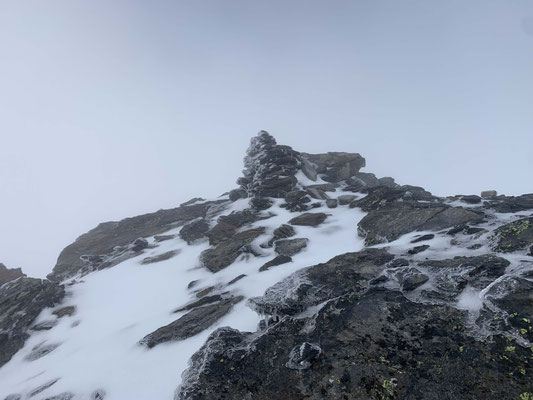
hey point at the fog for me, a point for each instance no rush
(109, 109)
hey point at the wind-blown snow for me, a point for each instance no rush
(117, 307)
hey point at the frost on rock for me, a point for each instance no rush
(302, 356)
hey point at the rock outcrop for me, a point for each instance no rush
(7, 275)
(21, 301)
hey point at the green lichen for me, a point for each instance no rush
(510, 348)
(389, 386)
(461, 348)
(526, 396)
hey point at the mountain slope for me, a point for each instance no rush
(312, 280)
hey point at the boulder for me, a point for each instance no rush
(331, 203)
(290, 247)
(489, 193)
(194, 231)
(278, 260)
(511, 204)
(309, 169)
(346, 199)
(413, 279)
(423, 238)
(225, 253)
(309, 219)
(191, 323)
(237, 194)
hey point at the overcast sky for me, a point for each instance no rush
(112, 108)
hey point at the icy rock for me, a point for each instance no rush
(41, 350)
(225, 253)
(517, 235)
(331, 203)
(21, 301)
(302, 356)
(194, 231)
(237, 194)
(64, 311)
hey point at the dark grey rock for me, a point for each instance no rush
(260, 203)
(398, 262)
(98, 394)
(418, 249)
(423, 238)
(42, 388)
(163, 238)
(139, 245)
(325, 187)
(517, 235)
(191, 201)
(302, 356)
(308, 169)
(45, 325)
(21, 301)
(219, 257)
(511, 204)
(413, 279)
(331, 203)
(237, 194)
(194, 231)
(7, 275)
(489, 193)
(346, 199)
(389, 223)
(61, 396)
(160, 257)
(278, 260)
(309, 219)
(313, 285)
(201, 302)
(471, 199)
(290, 247)
(374, 345)
(237, 278)
(317, 194)
(228, 225)
(191, 323)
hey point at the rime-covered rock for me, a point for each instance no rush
(7, 275)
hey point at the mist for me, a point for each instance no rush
(112, 109)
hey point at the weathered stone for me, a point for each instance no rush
(512, 204)
(423, 238)
(391, 222)
(413, 279)
(365, 341)
(260, 203)
(237, 278)
(331, 203)
(191, 201)
(7, 275)
(399, 262)
(194, 231)
(308, 169)
(311, 286)
(325, 187)
(21, 301)
(517, 235)
(471, 199)
(163, 238)
(219, 257)
(191, 323)
(290, 247)
(346, 199)
(309, 219)
(489, 193)
(201, 302)
(42, 388)
(418, 249)
(228, 225)
(317, 194)
(278, 260)
(160, 257)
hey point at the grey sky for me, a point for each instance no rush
(114, 108)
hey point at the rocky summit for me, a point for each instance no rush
(310, 279)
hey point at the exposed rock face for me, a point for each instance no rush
(290, 247)
(334, 166)
(21, 301)
(191, 323)
(505, 204)
(7, 275)
(361, 344)
(219, 257)
(100, 242)
(393, 212)
(517, 235)
(309, 219)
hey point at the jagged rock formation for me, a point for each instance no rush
(7, 275)
(342, 285)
